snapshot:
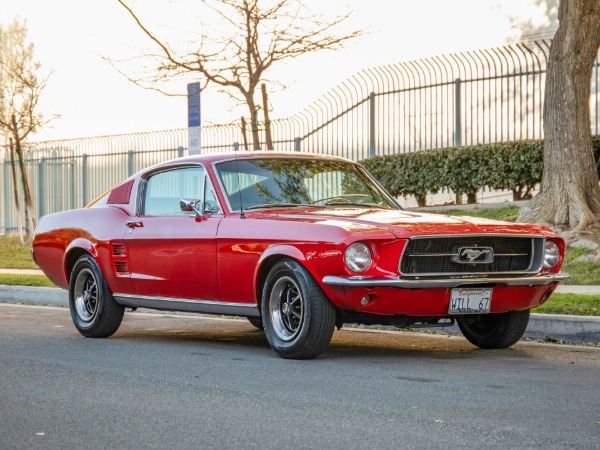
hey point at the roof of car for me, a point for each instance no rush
(215, 157)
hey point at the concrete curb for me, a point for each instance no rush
(45, 296)
(573, 329)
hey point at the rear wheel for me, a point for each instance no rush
(494, 330)
(94, 311)
(299, 319)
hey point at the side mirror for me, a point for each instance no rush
(191, 205)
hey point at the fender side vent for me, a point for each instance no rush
(119, 250)
(121, 267)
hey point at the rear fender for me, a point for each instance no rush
(74, 250)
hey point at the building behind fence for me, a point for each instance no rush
(479, 96)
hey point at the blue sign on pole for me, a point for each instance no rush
(194, 134)
(193, 90)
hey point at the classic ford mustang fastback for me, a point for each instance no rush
(298, 244)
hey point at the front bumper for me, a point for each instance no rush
(425, 283)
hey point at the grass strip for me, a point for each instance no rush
(507, 213)
(25, 280)
(13, 255)
(571, 304)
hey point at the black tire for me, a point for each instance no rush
(494, 330)
(94, 311)
(299, 319)
(256, 322)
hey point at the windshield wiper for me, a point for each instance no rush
(281, 205)
(359, 204)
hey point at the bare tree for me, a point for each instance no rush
(20, 89)
(570, 194)
(259, 34)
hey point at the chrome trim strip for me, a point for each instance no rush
(199, 306)
(535, 280)
(431, 255)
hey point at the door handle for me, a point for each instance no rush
(134, 224)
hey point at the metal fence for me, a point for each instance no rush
(478, 96)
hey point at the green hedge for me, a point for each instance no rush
(509, 165)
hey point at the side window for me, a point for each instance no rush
(165, 189)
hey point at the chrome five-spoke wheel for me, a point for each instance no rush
(86, 295)
(298, 318)
(94, 311)
(286, 308)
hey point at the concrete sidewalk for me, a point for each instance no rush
(574, 329)
(21, 272)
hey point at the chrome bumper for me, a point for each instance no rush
(529, 280)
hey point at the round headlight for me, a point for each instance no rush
(358, 257)
(551, 254)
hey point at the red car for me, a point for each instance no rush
(298, 244)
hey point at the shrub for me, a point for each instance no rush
(508, 165)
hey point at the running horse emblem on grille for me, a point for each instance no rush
(475, 255)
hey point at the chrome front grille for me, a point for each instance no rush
(438, 255)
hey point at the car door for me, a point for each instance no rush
(173, 252)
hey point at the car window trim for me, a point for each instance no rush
(146, 176)
(359, 167)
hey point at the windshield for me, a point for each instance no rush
(288, 182)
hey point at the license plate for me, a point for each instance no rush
(470, 301)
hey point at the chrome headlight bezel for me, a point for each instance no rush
(551, 254)
(358, 257)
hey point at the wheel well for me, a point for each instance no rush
(72, 258)
(266, 266)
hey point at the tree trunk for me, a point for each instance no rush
(268, 136)
(569, 194)
(16, 190)
(27, 203)
(244, 133)
(254, 124)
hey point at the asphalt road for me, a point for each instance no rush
(194, 382)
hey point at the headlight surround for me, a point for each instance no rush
(358, 257)
(551, 254)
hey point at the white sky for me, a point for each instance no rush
(71, 36)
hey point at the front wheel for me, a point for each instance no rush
(94, 311)
(299, 319)
(256, 322)
(494, 330)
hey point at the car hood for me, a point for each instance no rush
(405, 224)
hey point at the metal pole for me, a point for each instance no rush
(457, 118)
(371, 125)
(130, 163)
(236, 146)
(180, 152)
(6, 195)
(41, 183)
(84, 179)
(71, 167)
(297, 144)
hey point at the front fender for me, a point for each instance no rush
(317, 258)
